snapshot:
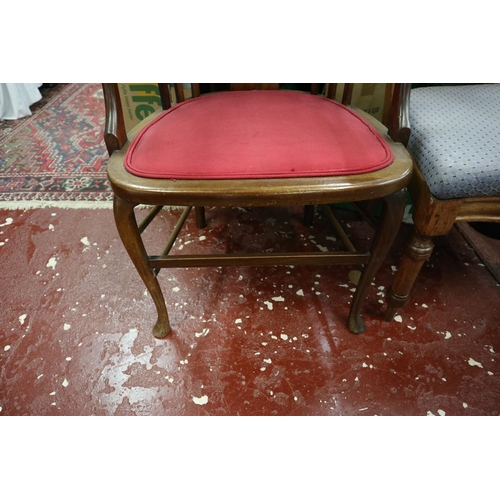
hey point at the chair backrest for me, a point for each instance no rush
(115, 133)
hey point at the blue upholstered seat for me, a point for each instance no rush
(455, 139)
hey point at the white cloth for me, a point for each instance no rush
(16, 99)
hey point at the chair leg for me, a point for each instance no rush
(417, 250)
(128, 230)
(392, 215)
(200, 217)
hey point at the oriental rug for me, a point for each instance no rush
(57, 154)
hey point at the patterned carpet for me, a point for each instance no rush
(57, 154)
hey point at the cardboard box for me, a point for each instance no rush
(139, 100)
(374, 98)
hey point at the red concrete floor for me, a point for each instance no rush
(75, 329)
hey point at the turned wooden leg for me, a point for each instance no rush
(417, 250)
(200, 217)
(129, 233)
(392, 215)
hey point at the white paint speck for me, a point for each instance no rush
(203, 333)
(65, 383)
(398, 318)
(278, 299)
(284, 336)
(425, 306)
(238, 321)
(442, 412)
(412, 327)
(394, 268)
(22, 318)
(202, 238)
(52, 262)
(300, 292)
(7, 222)
(69, 358)
(430, 414)
(200, 401)
(447, 335)
(474, 363)
(6, 348)
(175, 289)
(269, 305)
(66, 326)
(268, 361)
(465, 405)
(52, 393)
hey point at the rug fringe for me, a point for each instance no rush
(36, 204)
(75, 205)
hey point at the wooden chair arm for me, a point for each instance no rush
(115, 134)
(399, 118)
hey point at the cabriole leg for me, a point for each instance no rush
(129, 233)
(392, 215)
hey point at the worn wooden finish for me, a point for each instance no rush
(260, 259)
(115, 134)
(166, 101)
(399, 114)
(196, 89)
(331, 90)
(254, 86)
(128, 230)
(130, 191)
(179, 92)
(347, 94)
(392, 214)
(431, 216)
(200, 217)
(149, 218)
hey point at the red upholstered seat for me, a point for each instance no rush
(257, 134)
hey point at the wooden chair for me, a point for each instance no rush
(455, 144)
(249, 148)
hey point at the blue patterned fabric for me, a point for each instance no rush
(455, 139)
